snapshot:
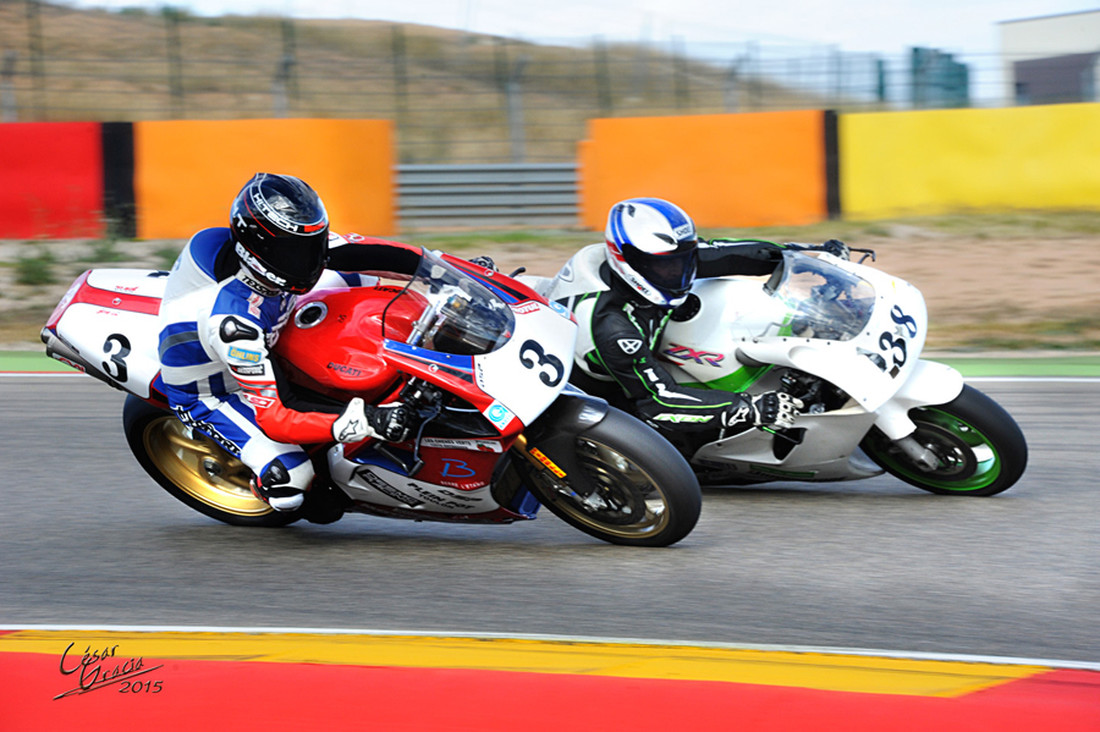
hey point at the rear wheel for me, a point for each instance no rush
(979, 448)
(636, 489)
(194, 468)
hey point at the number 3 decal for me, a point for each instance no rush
(117, 348)
(542, 359)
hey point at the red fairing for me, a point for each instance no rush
(333, 343)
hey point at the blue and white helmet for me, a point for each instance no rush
(652, 247)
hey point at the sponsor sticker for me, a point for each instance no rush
(341, 368)
(462, 444)
(499, 415)
(561, 310)
(243, 354)
(385, 488)
(525, 307)
(259, 402)
(249, 370)
(550, 464)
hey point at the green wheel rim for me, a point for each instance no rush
(968, 459)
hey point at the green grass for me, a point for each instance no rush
(36, 269)
(1008, 225)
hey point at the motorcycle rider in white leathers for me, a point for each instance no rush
(228, 295)
(623, 293)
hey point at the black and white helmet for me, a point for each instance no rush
(280, 231)
(652, 247)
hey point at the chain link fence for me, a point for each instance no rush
(454, 97)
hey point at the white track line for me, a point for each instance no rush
(869, 652)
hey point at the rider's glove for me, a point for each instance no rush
(837, 248)
(771, 409)
(352, 424)
(775, 408)
(391, 422)
(359, 421)
(486, 262)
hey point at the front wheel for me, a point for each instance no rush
(195, 469)
(634, 489)
(979, 448)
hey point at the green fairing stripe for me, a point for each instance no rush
(805, 475)
(738, 381)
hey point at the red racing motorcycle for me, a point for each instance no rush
(481, 359)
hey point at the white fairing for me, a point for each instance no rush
(855, 327)
(110, 322)
(544, 337)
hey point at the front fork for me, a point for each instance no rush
(921, 456)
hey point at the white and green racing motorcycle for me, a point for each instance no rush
(846, 340)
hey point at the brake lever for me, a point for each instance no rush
(866, 253)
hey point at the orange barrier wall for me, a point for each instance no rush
(726, 170)
(943, 161)
(186, 173)
(51, 180)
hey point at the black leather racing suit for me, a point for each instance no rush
(626, 329)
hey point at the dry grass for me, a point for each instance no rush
(445, 89)
(1026, 280)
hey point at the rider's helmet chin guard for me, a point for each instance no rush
(280, 232)
(652, 247)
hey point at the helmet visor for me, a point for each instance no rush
(305, 263)
(294, 265)
(670, 272)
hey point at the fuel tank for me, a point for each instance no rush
(333, 342)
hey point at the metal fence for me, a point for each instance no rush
(488, 195)
(455, 97)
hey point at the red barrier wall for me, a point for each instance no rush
(51, 180)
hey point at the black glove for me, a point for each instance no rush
(390, 422)
(486, 262)
(837, 248)
(773, 408)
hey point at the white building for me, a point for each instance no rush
(1053, 58)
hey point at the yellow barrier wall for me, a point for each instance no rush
(186, 173)
(932, 162)
(725, 170)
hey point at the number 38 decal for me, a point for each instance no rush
(552, 375)
(896, 346)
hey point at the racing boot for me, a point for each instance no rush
(275, 489)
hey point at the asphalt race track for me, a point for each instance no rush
(87, 539)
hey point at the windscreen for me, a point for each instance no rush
(459, 314)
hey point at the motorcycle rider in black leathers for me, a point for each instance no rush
(642, 274)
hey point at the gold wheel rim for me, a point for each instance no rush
(201, 468)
